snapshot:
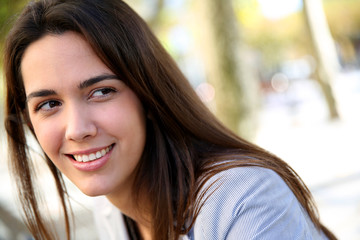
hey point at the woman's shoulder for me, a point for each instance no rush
(249, 203)
(244, 181)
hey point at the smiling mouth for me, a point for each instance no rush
(92, 156)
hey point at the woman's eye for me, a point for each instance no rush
(48, 105)
(102, 92)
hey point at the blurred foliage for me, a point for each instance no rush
(343, 17)
(274, 40)
(344, 21)
(287, 38)
(8, 11)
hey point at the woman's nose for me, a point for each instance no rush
(79, 124)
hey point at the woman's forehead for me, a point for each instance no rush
(54, 59)
(59, 43)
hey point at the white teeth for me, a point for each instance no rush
(103, 152)
(92, 156)
(85, 158)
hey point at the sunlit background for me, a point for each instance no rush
(285, 106)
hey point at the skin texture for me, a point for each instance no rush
(69, 119)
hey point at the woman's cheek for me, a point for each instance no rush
(49, 137)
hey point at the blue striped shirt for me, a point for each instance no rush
(243, 203)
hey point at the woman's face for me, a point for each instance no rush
(88, 122)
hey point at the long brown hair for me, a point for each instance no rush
(185, 146)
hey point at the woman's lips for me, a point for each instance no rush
(92, 156)
(92, 161)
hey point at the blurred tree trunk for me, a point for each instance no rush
(325, 51)
(228, 66)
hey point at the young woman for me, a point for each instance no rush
(113, 113)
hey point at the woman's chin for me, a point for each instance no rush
(92, 191)
(92, 194)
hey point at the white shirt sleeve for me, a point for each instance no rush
(109, 221)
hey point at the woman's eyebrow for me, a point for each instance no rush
(93, 80)
(40, 93)
(82, 85)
